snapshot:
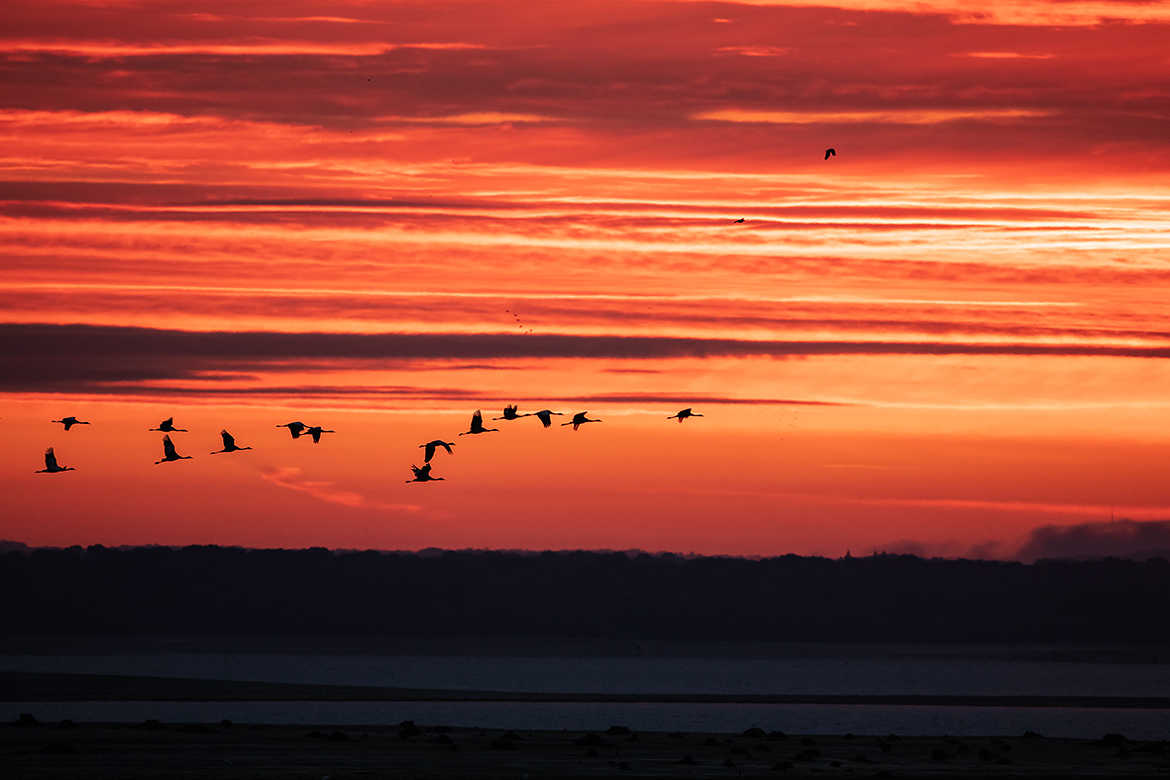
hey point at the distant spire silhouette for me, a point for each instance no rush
(578, 420)
(684, 414)
(229, 443)
(431, 446)
(51, 466)
(316, 432)
(69, 422)
(830, 152)
(169, 452)
(168, 426)
(477, 425)
(295, 428)
(510, 413)
(423, 474)
(545, 416)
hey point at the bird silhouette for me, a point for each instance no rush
(51, 466)
(545, 416)
(168, 426)
(510, 413)
(477, 425)
(69, 422)
(431, 446)
(684, 414)
(423, 474)
(316, 432)
(295, 428)
(578, 420)
(830, 152)
(739, 221)
(169, 452)
(229, 443)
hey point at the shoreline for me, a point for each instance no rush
(63, 687)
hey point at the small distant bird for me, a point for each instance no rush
(578, 420)
(739, 221)
(229, 443)
(431, 446)
(545, 416)
(169, 452)
(69, 422)
(316, 432)
(168, 426)
(477, 425)
(423, 474)
(684, 414)
(830, 152)
(295, 428)
(51, 466)
(510, 413)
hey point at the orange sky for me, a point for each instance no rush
(246, 213)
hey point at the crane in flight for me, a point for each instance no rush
(316, 432)
(477, 425)
(684, 414)
(295, 428)
(510, 413)
(830, 152)
(432, 445)
(69, 422)
(229, 443)
(51, 466)
(578, 420)
(545, 416)
(169, 452)
(168, 426)
(423, 474)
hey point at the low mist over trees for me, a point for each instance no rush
(316, 592)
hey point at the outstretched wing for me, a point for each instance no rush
(545, 417)
(229, 441)
(50, 460)
(68, 421)
(417, 471)
(446, 446)
(169, 448)
(167, 423)
(477, 421)
(316, 434)
(425, 471)
(429, 452)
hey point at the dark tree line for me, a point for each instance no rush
(240, 592)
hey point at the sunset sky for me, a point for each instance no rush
(245, 213)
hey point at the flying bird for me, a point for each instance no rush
(510, 413)
(295, 428)
(169, 452)
(51, 466)
(316, 432)
(477, 425)
(739, 221)
(830, 152)
(431, 446)
(545, 416)
(684, 414)
(229, 443)
(168, 426)
(69, 422)
(578, 420)
(423, 474)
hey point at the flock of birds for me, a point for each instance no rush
(299, 429)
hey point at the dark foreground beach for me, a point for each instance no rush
(29, 749)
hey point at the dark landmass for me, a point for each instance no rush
(224, 750)
(224, 591)
(38, 686)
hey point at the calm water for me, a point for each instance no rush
(849, 675)
(792, 718)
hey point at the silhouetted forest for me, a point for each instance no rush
(315, 592)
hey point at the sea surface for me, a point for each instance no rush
(675, 670)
